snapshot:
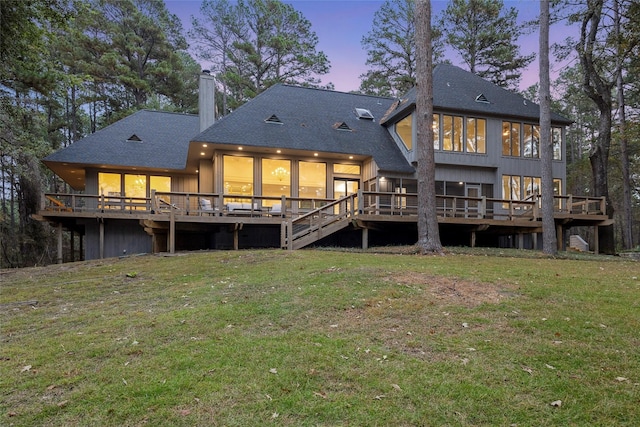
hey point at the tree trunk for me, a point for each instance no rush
(428, 233)
(549, 238)
(599, 90)
(627, 218)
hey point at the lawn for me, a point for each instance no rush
(322, 338)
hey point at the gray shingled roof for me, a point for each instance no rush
(310, 118)
(164, 142)
(456, 90)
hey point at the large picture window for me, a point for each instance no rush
(404, 131)
(511, 138)
(276, 179)
(452, 133)
(476, 135)
(110, 184)
(135, 186)
(517, 188)
(238, 175)
(312, 183)
(524, 140)
(532, 185)
(531, 141)
(511, 188)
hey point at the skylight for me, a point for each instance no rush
(274, 120)
(363, 113)
(483, 99)
(134, 138)
(342, 126)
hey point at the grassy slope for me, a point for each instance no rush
(322, 338)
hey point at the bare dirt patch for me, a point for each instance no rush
(450, 290)
(422, 321)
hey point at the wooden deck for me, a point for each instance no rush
(305, 221)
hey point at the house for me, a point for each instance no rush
(297, 166)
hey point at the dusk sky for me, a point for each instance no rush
(341, 24)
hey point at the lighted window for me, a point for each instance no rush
(531, 141)
(346, 169)
(476, 135)
(511, 139)
(510, 188)
(447, 133)
(403, 129)
(436, 131)
(556, 134)
(161, 184)
(109, 184)
(276, 179)
(135, 186)
(532, 185)
(238, 175)
(312, 183)
(452, 133)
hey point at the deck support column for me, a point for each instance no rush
(283, 235)
(101, 220)
(520, 241)
(59, 233)
(596, 240)
(473, 239)
(290, 234)
(73, 246)
(534, 237)
(365, 238)
(236, 236)
(560, 237)
(172, 232)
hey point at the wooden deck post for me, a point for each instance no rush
(560, 237)
(365, 238)
(59, 233)
(73, 246)
(101, 220)
(473, 239)
(290, 234)
(596, 240)
(172, 231)
(283, 234)
(236, 237)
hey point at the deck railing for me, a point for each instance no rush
(366, 202)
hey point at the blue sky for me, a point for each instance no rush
(341, 24)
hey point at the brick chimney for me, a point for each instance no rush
(207, 100)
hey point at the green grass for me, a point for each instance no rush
(323, 338)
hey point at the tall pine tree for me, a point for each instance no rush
(485, 35)
(391, 50)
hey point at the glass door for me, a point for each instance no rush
(343, 187)
(473, 206)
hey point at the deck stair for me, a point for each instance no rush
(319, 223)
(578, 243)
